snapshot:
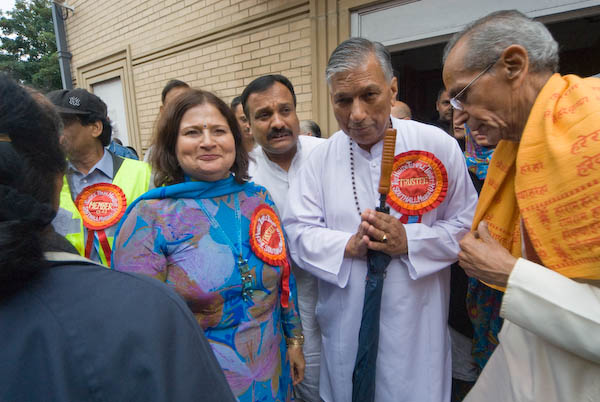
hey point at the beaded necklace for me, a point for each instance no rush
(352, 172)
(353, 177)
(241, 262)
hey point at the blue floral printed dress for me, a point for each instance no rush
(168, 236)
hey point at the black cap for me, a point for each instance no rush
(77, 101)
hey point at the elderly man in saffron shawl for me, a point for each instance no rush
(536, 231)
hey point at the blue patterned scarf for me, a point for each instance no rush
(189, 189)
(478, 157)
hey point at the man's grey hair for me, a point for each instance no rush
(352, 53)
(487, 38)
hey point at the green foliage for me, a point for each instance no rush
(28, 45)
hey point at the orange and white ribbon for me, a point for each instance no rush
(101, 205)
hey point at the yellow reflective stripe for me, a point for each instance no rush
(133, 177)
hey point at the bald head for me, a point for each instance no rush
(400, 110)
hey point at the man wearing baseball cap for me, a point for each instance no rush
(98, 184)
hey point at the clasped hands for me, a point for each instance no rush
(377, 231)
(481, 256)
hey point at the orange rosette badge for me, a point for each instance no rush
(268, 243)
(101, 206)
(419, 183)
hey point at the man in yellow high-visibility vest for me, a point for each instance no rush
(98, 185)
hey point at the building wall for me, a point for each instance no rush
(215, 45)
(221, 45)
(227, 66)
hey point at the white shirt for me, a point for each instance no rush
(549, 343)
(414, 362)
(270, 175)
(277, 181)
(101, 172)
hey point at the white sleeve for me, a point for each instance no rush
(555, 308)
(314, 247)
(433, 248)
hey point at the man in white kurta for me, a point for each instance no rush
(413, 362)
(321, 220)
(269, 174)
(274, 164)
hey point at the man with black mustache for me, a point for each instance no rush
(269, 102)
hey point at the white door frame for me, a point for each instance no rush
(408, 24)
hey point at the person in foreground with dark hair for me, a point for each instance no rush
(98, 184)
(72, 330)
(216, 239)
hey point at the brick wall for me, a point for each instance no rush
(224, 66)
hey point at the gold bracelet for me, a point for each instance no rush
(295, 341)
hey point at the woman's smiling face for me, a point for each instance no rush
(205, 147)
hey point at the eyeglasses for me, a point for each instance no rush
(457, 104)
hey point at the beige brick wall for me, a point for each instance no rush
(224, 66)
(99, 27)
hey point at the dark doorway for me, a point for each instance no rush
(419, 73)
(419, 70)
(579, 44)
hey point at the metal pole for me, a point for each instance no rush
(64, 57)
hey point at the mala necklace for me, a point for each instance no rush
(352, 171)
(353, 177)
(241, 262)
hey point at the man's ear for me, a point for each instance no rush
(515, 63)
(97, 128)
